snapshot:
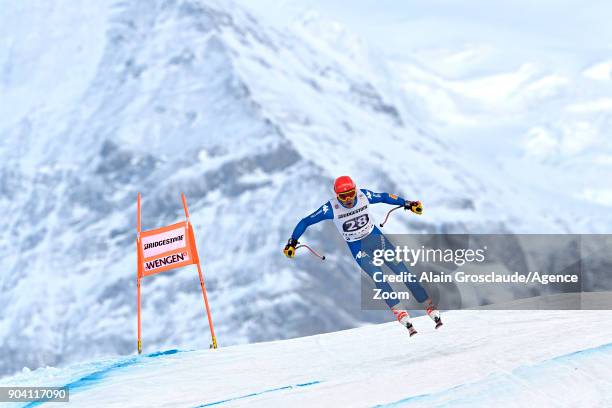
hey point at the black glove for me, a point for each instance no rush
(414, 206)
(290, 248)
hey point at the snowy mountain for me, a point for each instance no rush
(550, 123)
(524, 84)
(478, 359)
(252, 123)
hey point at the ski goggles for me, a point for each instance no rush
(347, 195)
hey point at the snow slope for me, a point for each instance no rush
(478, 359)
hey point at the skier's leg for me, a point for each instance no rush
(418, 291)
(385, 289)
(403, 317)
(364, 260)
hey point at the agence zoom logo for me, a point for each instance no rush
(162, 242)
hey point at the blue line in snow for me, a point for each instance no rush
(100, 374)
(604, 348)
(254, 394)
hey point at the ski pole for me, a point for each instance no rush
(382, 224)
(312, 251)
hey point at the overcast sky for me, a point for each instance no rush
(401, 26)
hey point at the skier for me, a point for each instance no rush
(350, 212)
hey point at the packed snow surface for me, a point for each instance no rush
(477, 359)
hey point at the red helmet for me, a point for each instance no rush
(343, 184)
(345, 189)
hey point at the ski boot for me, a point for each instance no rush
(403, 317)
(434, 314)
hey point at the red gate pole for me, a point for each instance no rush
(194, 250)
(138, 273)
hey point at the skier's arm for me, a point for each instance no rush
(392, 199)
(375, 198)
(323, 213)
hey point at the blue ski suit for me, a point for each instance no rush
(363, 248)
